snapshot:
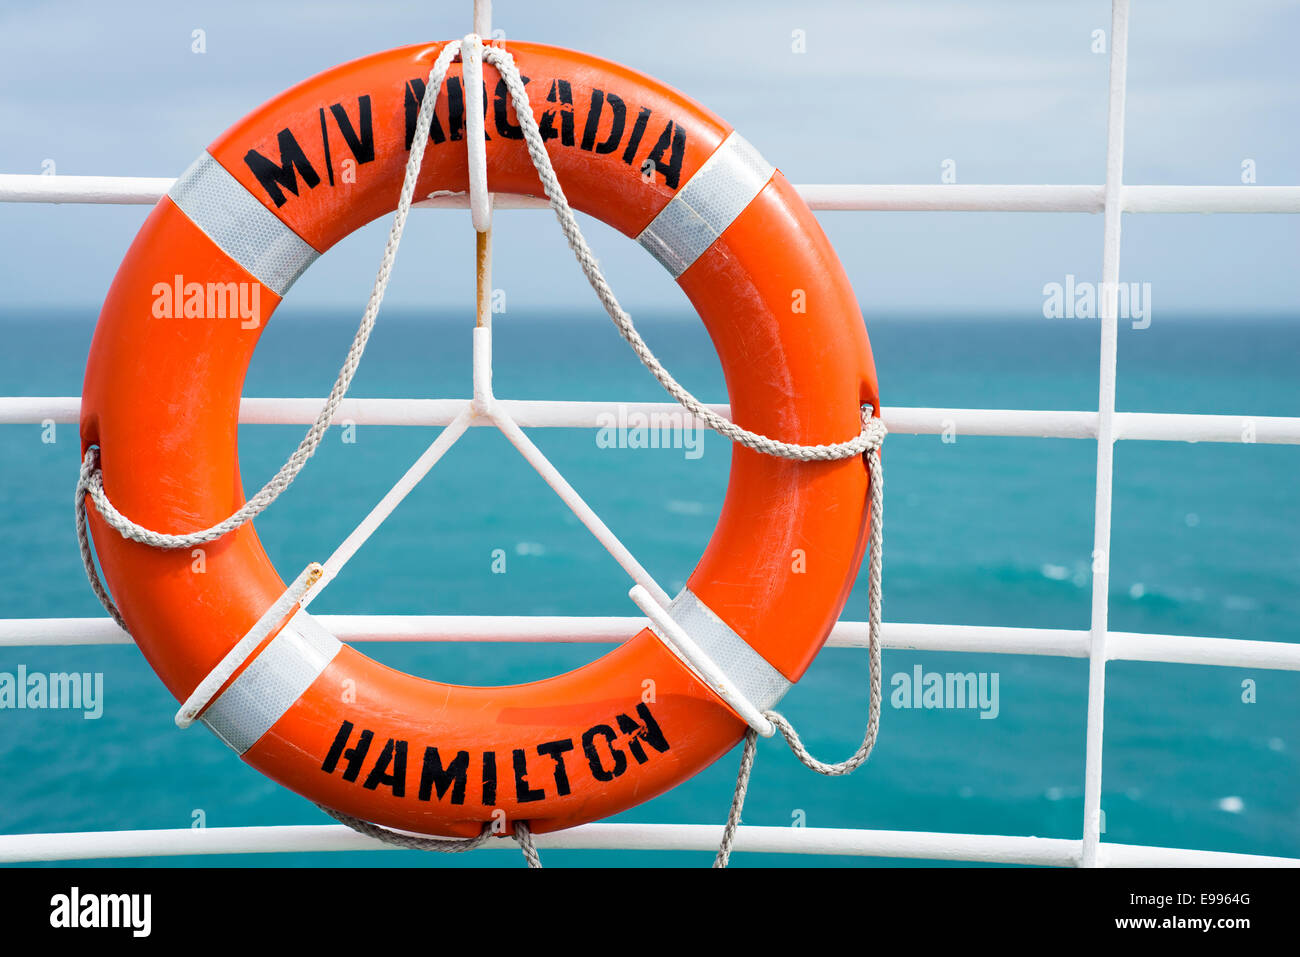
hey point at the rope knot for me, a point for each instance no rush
(873, 428)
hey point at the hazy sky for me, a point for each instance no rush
(886, 92)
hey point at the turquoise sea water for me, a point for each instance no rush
(994, 531)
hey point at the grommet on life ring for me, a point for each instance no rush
(161, 403)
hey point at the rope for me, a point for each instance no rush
(505, 64)
(738, 798)
(859, 757)
(523, 837)
(89, 467)
(409, 841)
(90, 480)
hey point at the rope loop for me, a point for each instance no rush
(523, 836)
(875, 567)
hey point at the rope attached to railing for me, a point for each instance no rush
(875, 567)
(523, 836)
(868, 441)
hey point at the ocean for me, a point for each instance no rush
(983, 531)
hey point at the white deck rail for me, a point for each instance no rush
(147, 190)
(1098, 643)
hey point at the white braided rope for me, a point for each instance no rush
(92, 480)
(505, 64)
(409, 841)
(738, 798)
(875, 565)
(524, 838)
(90, 466)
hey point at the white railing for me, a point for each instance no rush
(901, 636)
(543, 414)
(147, 190)
(1098, 643)
(853, 842)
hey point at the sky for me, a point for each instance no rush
(1009, 91)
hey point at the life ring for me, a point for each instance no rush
(161, 403)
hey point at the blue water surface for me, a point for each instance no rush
(991, 531)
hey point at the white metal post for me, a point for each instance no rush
(483, 18)
(1105, 431)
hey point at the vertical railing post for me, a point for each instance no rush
(1105, 431)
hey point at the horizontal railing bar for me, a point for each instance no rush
(545, 413)
(1211, 199)
(1127, 646)
(53, 632)
(1052, 199)
(1183, 427)
(105, 190)
(1132, 855)
(528, 413)
(88, 845)
(953, 197)
(854, 842)
(146, 190)
(992, 422)
(1191, 650)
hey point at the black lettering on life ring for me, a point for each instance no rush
(441, 779)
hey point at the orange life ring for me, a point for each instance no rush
(161, 401)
